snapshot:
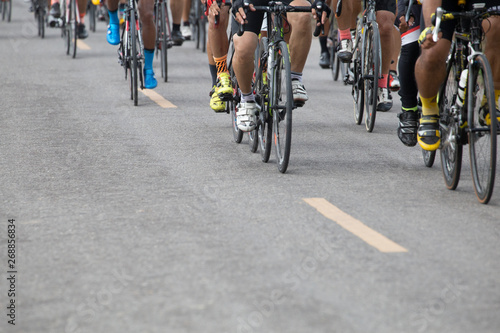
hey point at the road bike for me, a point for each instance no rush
(274, 89)
(131, 49)
(365, 67)
(70, 19)
(465, 97)
(163, 35)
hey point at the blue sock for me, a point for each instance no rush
(148, 58)
(113, 17)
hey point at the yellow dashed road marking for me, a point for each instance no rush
(158, 99)
(370, 236)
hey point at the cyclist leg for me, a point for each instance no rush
(430, 72)
(300, 38)
(186, 29)
(113, 34)
(223, 89)
(385, 10)
(176, 7)
(82, 32)
(324, 58)
(243, 66)
(146, 14)
(350, 10)
(393, 81)
(492, 51)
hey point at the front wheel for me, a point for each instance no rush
(282, 105)
(429, 157)
(451, 145)
(483, 127)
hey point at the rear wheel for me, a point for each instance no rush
(265, 129)
(134, 63)
(371, 73)
(451, 145)
(233, 108)
(483, 133)
(282, 105)
(358, 88)
(92, 9)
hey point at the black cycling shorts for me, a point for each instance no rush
(254, 18)
(448, 27)
(389, 5)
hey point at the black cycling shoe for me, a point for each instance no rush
(82, 31)
(324, 60)
(407, 128)
(177, 37)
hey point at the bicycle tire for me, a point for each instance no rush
(451, 146)
(41, 22)
(233, 108)
(358, 87)
(92, 16)
(482, 136)
(371, 74)
(265, 128)
(164, 46)
(282, 105)
(133, 34)
(334, 60)
(73, 26)
(429, 157)
(204, 34)
(253, 136)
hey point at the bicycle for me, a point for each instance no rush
(365, 67)
(163, 35)
(70, 19)
(275, 97)
(131, 49)
(92, 12)
(6, 10)
(460, 122)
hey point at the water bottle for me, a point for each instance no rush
(462, 87)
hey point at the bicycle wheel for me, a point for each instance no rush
(451, 145)
(282, 105)
(164, 43)
(265, 129)
(429, 157)
(133, 41)
(233, 108)
(203, 33)
(332, 42)
(6, 10)
(72, 26)
(483, 133)
(253, 136)
(371, 74)
(92, 16)
(358, 87)
(41, 19)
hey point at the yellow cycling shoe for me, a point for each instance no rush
(215, 103)
(224, 87)
(429, 135)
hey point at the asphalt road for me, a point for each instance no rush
(150, 219)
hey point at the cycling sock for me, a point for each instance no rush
(413, 109)
(322, 43)
(113, 17)
(429, 106)
(176, 27)
(382, 82)
(345, 34)
(296, 76)
(82, 18)
(148, 58)
(213, 73)
(247, 97)
(221, 64)
(185, 23)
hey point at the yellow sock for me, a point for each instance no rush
(429, 106)
(497, 95)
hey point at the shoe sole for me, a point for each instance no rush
(225, 97)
